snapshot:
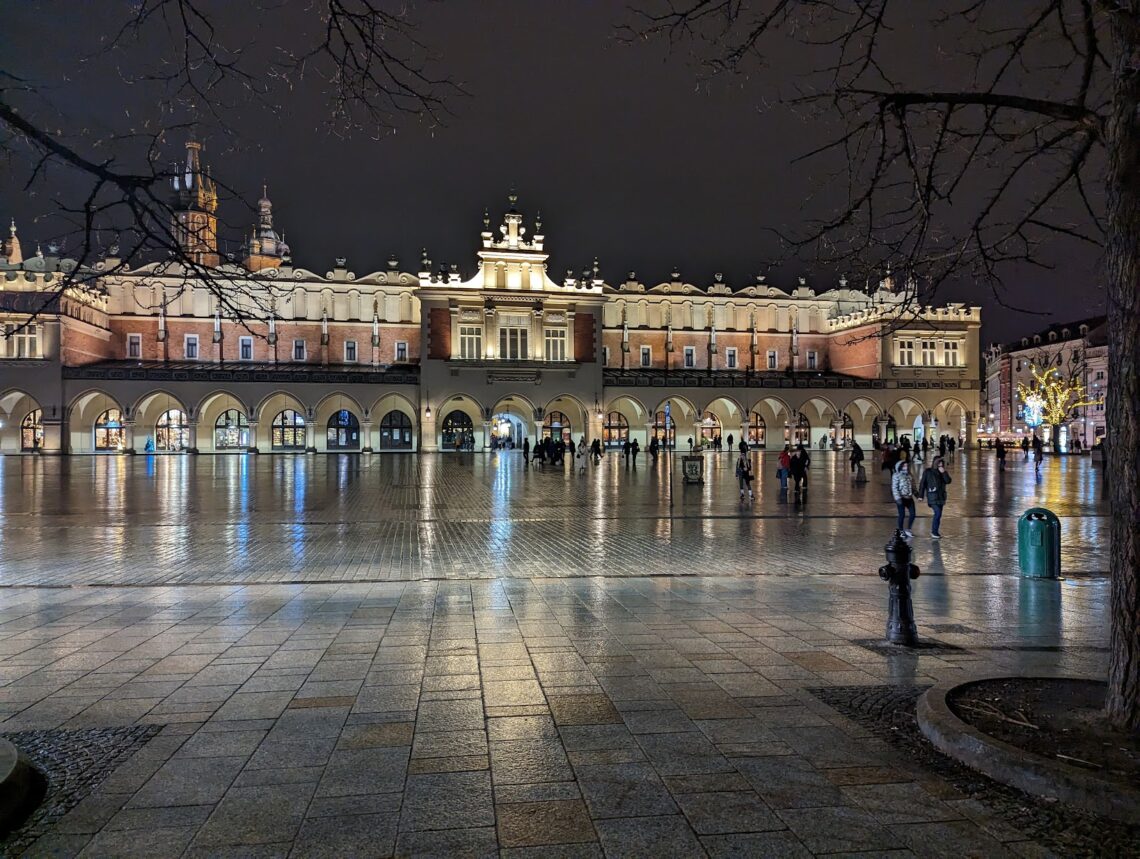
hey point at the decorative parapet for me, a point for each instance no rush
(894, 315)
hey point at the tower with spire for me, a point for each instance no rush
(13, 254)
(265, 248)
(195, 221)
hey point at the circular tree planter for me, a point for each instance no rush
(1033, 773)
(21, 787)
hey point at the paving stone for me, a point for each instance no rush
(364, 771)
(582, 710)
(115, 844)
(347, 836)
(528, 824)
(478, 843)
(623, 790)
(832, 829)
(188, 781)
(459, 800)
(764, 845)
(256, 815)
(664, 837)
(527, 761)
(715, 813)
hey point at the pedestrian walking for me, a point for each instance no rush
(730, 441)
(526, 450)
(1024, 448)
(625, 450)
(784, 467)
(902, 488)
(1038, 453)
(856, 456)
(799, 468)
(743, 445)
(933, 487)
(690, 445)
(1000, 453)
(596, 451)
(634, 450)
(654, 448)
(744, 474)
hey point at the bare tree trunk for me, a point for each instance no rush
(1123, 270)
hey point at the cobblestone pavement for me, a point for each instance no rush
(514, 717)
(545, 695)
(152, 520)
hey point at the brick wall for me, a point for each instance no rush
(439, 333)
(78, 345)
(584, 338)
(858, 352)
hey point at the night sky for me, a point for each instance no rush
(628, 156)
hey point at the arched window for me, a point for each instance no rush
(287, 432)
(458, 431)
(231, 430)
(109, 430)
(343, 431)
(557, 426)
(756, 430)
(665, 430)
(32, 431)
(396, 431)
(172, 431)
(615, 432)
(710, 428)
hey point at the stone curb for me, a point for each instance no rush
(1009, 765)
(21, 787)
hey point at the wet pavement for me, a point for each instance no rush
(584, 676)
(246, 519)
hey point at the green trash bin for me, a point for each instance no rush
(1039, 544)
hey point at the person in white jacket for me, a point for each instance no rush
(902, 488)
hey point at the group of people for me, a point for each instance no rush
(792, 462)
(1036, 445)
(932, 486)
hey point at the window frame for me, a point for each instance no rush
(400, 344)
(187, 340)
(645, 356)
(136, 340)
(470, 335)
(244, 342)
(689, 357)
(355, 356)
(812, 359)
(554, 344)
(905, 351)
(773, 359)
(730, 358)
(298, 341)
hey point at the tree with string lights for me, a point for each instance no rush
(1052, 397)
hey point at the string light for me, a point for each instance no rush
(1051, 399)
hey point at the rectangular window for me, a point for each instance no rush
(26, 342)
(191, 347)
(927, 353)
(812, 360)
(690, 357)
(401, 351)
(298, 350)
(245, 348)
(134, 346)
(350, 351)
(950, 353)
(555, 344)
(730, 357)
(514, 336)
(1099, 375)
(906, 353)
(605, 356)
(773, 359)
(646, 356)
(470, 342)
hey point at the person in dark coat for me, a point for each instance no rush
(856, 456)
(933, 488)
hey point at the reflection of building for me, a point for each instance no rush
(268, 356)
(1077, 348)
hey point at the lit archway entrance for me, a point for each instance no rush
(395, 431)
(847, 432)
(757, 430)
(287, 432)
(615, 431)
(507, 430)
(108, 431)
(798, 433)
(172, 431)
(557, 426)
(665, 430)
(710, 428)
(32, 430)
(342, 431)
(458, 431)
(231, 431)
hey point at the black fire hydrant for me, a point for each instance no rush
(897, 572)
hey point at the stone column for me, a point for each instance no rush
(252, 438)
(882, 424)
(128, 436)
(927, 425)
(486, 435)
(972, 431)
(684, 442)
(310, 436)
(366, 435)
(192, 437)
(429, 438)
(743, 435)
(837, 433)
(55, 436)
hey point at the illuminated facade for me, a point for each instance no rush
(292, 360)
(1078, 349)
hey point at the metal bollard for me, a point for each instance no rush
(897, 573)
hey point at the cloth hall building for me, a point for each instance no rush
(395, 360)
